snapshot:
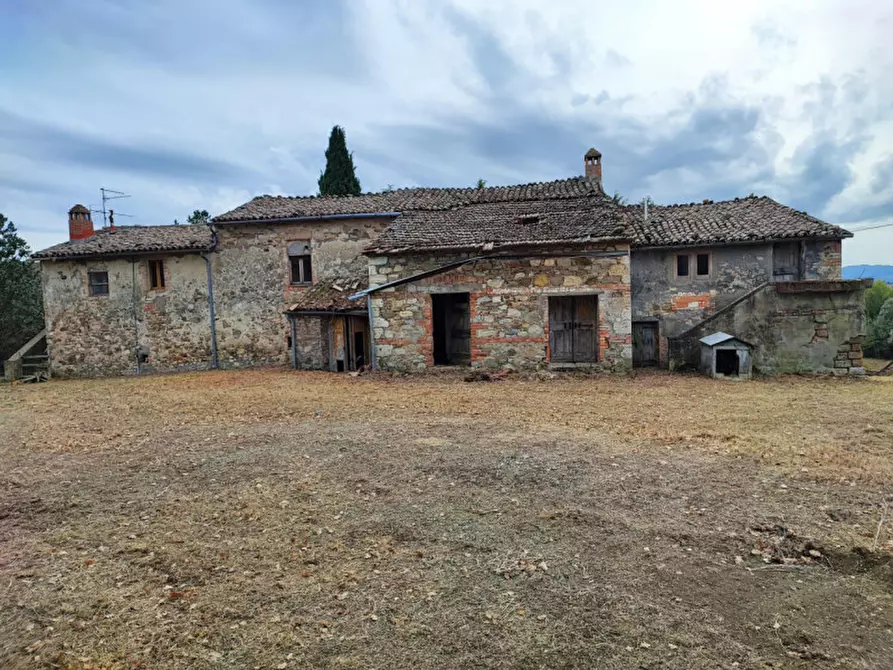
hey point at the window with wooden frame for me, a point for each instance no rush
(682, 265)
(300, 267)
(156, 275)
(98, 283)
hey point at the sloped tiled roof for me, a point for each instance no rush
(740, 220)
(266, 207)
(576, 220)
(506, 224)
(330, 295)
(123, 240)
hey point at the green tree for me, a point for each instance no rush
(21, 296)
(618, 199)
(880, 332)
(199, 217)
(339, 177)
(482, 183)
(876, 296)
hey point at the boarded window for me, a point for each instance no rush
(682, 265)
(299, 263)
(703, 265)
(156, 275)
(786, 262)
(99, 283)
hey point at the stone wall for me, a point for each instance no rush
(681, 302)
(101, 335)
(821, 259)
(312, 342)
(678, 303)
(252, 285)
(90, 336)
(807, 326)
(508, 306)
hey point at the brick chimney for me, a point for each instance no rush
(593, 162)
(80, 225)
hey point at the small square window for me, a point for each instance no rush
(682, 265)
(703, 265)
(299, 262)
(99, 283)
(156, 275)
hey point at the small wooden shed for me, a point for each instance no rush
(725, 356)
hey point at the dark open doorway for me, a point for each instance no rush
(452, 328)
(727, 362)
(359, 348)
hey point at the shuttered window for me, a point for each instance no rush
(156, 275)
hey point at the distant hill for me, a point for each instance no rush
(883, 272)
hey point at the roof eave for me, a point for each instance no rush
(487, 246)
(120, 254)
(728, 243)
(323, 217)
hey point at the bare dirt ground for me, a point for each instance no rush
(274, 519)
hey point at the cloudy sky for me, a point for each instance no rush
(191, 104)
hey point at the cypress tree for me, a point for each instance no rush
(339, 177)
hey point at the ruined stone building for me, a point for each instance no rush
(549, 274)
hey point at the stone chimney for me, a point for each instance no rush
(80, 225)
(593, 162)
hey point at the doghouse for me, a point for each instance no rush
(724, 356)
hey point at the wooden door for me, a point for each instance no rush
(573, 329)
(585, 330)
(644, 343)
(561, 329)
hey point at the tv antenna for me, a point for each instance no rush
(108, 215)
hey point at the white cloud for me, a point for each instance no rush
(692, 99)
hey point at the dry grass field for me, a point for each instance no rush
(276, 519)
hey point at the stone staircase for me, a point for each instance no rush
(31, 363)
(793, 326)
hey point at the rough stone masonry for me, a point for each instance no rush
(508, 302)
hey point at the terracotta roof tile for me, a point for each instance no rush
(506, 224)
(267, 207)
(740, 220)
(123, 240)
(330, 295)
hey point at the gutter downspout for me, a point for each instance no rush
(294, 342)
(136, 331)
(214, 360)
(374, 354)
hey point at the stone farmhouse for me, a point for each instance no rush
(551, 274)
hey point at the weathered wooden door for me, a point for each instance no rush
(585, 330)
(786, 261)
(644, 343)
(561, 331)
(573, 329)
